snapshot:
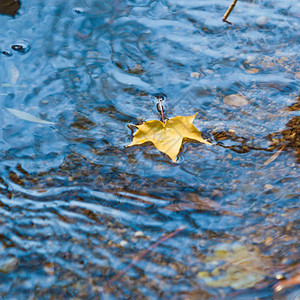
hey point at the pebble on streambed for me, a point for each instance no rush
(8, 264)
(235, 100)
(138, 234)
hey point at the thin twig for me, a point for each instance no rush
(229, 10)
(287, 283)
(139, 257)
(273, 157)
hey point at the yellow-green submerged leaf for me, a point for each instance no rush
(237, 267)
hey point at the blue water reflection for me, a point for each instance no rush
(76, 205)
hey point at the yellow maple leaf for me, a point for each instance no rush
(167, 137)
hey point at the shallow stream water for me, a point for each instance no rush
(77, 206)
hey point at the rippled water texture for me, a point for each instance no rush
(77, 206)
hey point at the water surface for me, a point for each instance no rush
(77, 206)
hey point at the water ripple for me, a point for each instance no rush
(77, 206)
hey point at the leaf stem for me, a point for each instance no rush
(161, 109)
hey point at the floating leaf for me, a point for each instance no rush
(27, 117)
(167, 137)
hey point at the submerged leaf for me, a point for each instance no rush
(27, 117)
(14, 74)
(9, 7)
(167, 137)
(194, 202)
(238, 267)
